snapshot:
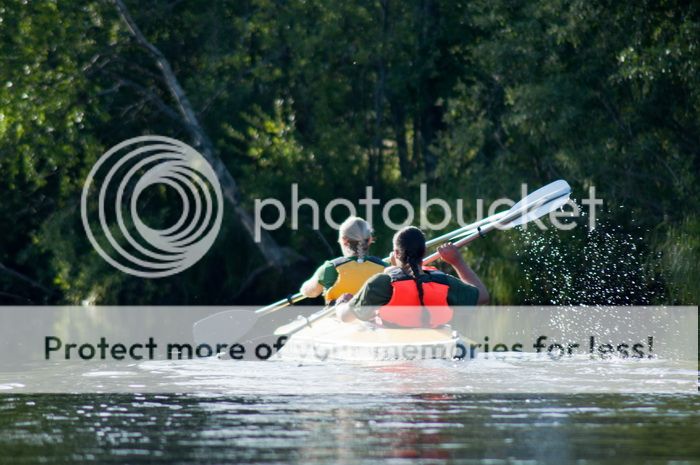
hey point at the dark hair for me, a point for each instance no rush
(410, 246)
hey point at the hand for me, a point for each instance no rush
(450, 253)
(392, 259)
(343, 298)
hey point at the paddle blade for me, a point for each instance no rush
(224, 328)
(535, 205)
(292, 327)
(538, 212)
(302, 322)
(543, 194)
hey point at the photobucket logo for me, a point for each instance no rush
(560, 218)
(125, 174)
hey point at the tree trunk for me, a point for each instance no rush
(375, 165)
(430, 114)
(398, 119)
(273, 253)
(417, 158)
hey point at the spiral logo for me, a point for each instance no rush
(148, 175)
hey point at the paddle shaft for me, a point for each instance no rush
(503, 218)
(503, 221)
(535, 205)
(292, 299)
(298, 297)
(469, 232)
(463, 230)
(303, 322)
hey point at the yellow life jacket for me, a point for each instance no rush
(352, 275)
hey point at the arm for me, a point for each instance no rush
(322, 279)
(451, 255)
(311, 288)
(375, 293)
(343, 311)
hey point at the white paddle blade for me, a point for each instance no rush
(544, 194)
(542, 201)
(292, 327)
(535, 205)
(224, 327)
(538, 212)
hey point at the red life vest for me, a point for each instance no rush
(404, 308)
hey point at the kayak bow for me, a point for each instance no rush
(331, 340)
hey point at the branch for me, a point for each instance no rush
(250, 279)
(149, 95)
(273, 253)
(324, 242)
(26, 279)
(16, 297)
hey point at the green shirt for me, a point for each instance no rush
(327, 275)
(377, 291)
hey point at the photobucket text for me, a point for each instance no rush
(369, 206)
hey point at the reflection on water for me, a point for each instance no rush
(348, 428)
(428, 412)
(507, 372)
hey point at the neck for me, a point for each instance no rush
(405, 266)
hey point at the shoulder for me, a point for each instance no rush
(324, 267)
(457, 283)
(461, 293)
(376, 261)
(394, 273)
(336, 262)
(333, 263)
(439, 277)
(376, 291)
(379, 279)
(327, 274)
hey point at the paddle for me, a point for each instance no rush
(292, 299)
(550, 198)
(221, 326)
(541, 202)
(236, 323)
(233, 324)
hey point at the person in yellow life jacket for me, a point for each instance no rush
(408, 295)
(346, 274)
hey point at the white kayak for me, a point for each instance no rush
(329, 339)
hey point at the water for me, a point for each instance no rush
(349, 428)
(504, 372)
(522, 408)
(404, 413)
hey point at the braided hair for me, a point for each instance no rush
(359, 249)
(358, 233)
(409, 244)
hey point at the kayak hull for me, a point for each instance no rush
(331, 340)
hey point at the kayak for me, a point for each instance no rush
(331, 340)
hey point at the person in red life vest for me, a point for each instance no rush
(407, 295)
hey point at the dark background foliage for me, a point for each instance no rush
(471, 97)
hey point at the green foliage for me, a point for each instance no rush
(472, 98)
(46, 141)
(680, 251)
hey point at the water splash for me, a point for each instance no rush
(609, 265)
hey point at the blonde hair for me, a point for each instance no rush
(357, 232)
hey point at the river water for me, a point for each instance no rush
(349, 428)
(484, 410)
